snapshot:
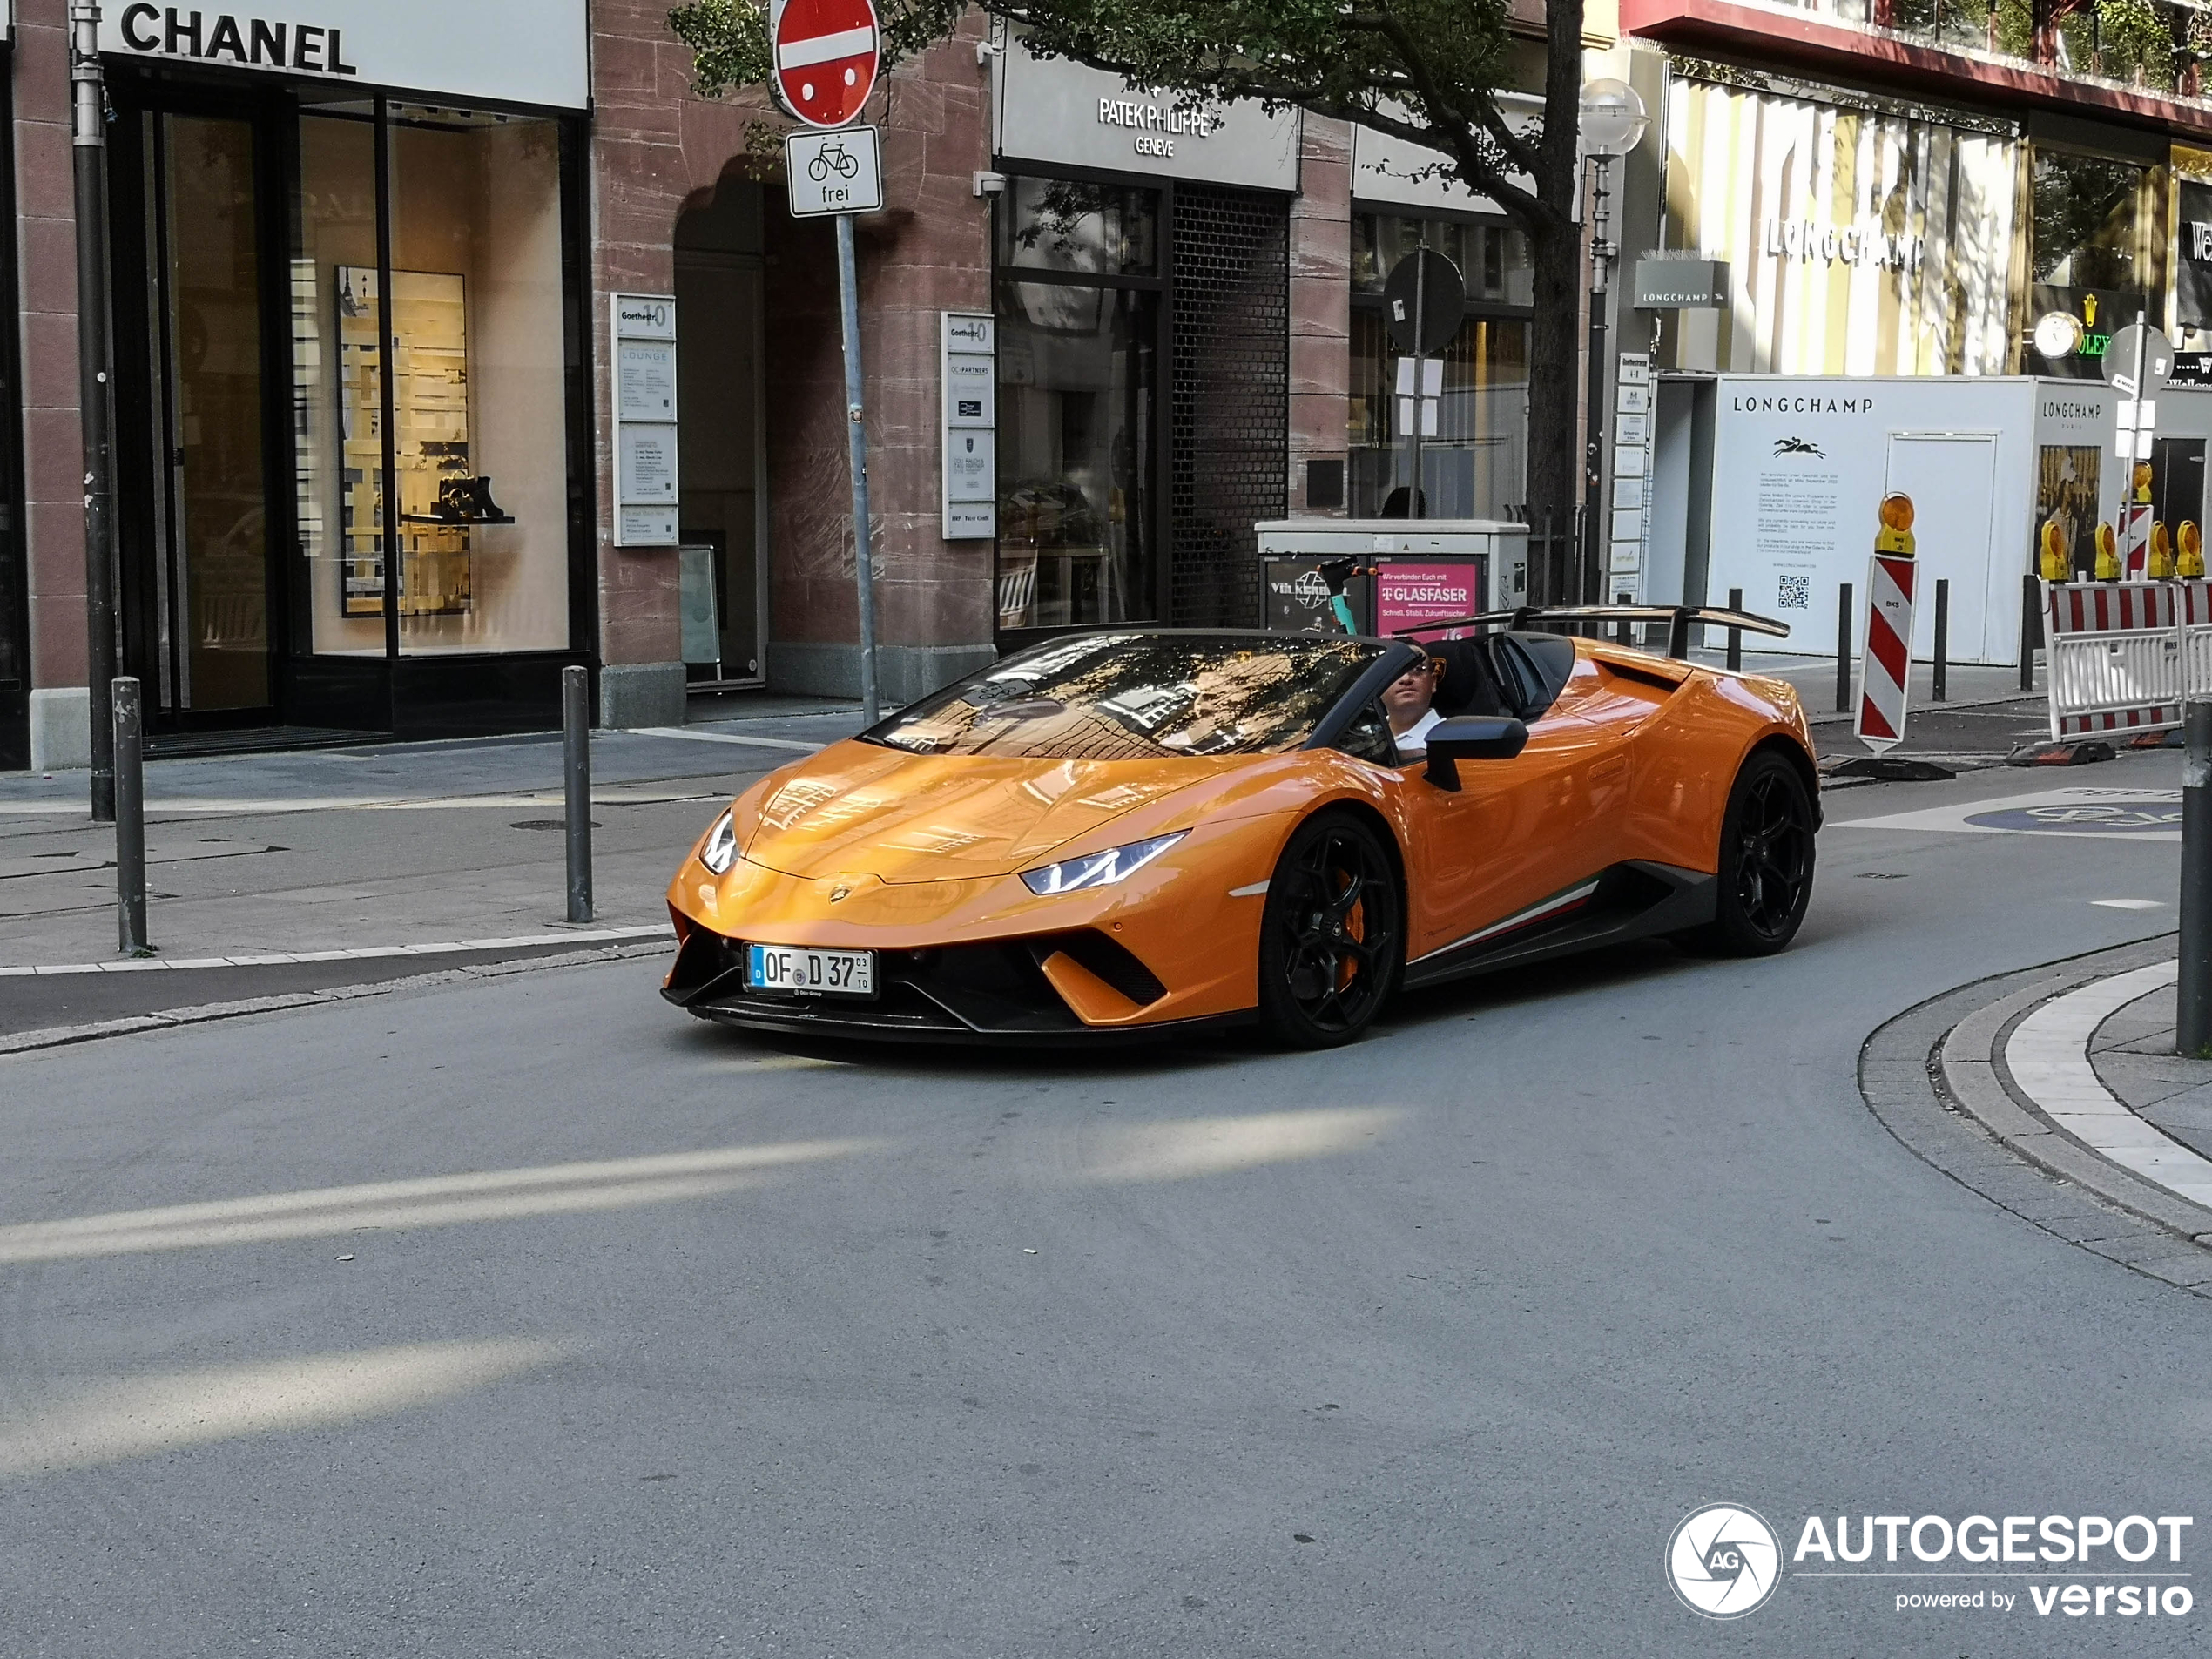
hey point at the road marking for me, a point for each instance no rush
(2084, 810)
(2049, 1056)
(2128, 904)
(246, 808)
(355, 953)
(689, 735)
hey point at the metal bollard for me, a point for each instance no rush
(1943, 640)
(575, 767)
(2031, 627)
(1735, 635)
(130, 817)
(1621, 628)
(2193, 1009)
(1843, 647)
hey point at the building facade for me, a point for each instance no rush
(1855, 191)
(457, 345)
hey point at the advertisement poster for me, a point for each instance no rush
(1412, 592)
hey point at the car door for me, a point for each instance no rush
(1515, 832)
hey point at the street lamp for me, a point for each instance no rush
(1612, 123)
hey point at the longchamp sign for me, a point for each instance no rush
(507, 51)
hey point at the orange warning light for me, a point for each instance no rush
(1896, 533)
(2142, 477)
(2056, 566)
(2189, 561)
(2107, 555)
(2160, 565)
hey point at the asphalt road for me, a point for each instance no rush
(607, 1334)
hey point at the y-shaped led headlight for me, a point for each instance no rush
(719, 850)
(1098, 869)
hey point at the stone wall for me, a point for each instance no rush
(53, 438)
(658, 149)
(1320, 303)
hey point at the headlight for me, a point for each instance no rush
(1098, 869)
(720, 848)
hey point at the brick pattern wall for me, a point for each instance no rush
(46, 276)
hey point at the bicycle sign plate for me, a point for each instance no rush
(834, 172)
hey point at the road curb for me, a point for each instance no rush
(125, 1025)
(1933, 1077)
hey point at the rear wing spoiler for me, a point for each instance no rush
(1678, 619)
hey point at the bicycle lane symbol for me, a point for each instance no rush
(2102, 816)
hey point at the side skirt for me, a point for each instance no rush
(1632, 900)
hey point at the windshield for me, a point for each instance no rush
(1128, 696)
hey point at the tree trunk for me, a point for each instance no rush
(1554, 436)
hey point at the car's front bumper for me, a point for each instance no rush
(1169, 948)
(1007, 990)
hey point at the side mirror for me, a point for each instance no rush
(1471, 736)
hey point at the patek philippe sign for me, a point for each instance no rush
(2193, 245)
(1057, 111)
(515, 52)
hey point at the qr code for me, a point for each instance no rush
(1796, 593)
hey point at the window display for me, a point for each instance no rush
(467, 491)
(439, 497)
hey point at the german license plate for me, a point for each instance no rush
(797, 971)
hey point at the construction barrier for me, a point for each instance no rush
(2122, 657)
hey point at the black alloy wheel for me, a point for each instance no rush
(1766, 861)
(1332, 938)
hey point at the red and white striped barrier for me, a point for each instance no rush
(2120, 654)
(1885, 661)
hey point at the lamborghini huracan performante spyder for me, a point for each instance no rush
(1150, 830)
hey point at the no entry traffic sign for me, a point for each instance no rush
(827, 58)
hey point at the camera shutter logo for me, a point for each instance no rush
(1723, 1561)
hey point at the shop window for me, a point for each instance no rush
(1474, 461)
(479, 420)
(2099, 251)
(1070, 225)
(1077, 389)
(2087, 233)
(1493, 258)
(429, 390)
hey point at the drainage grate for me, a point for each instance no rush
(1229, 405)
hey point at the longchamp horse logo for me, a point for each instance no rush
(1799, 447)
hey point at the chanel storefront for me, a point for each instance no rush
(1141, 301)
(353, 460)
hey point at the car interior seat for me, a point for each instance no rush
(1520, 675)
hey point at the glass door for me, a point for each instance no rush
(210, 634)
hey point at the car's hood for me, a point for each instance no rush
(860, 809)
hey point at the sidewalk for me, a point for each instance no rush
(2072, 1069)
(396, 846)
(1985, 716)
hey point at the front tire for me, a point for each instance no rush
(1766, 861)
(1332, 938)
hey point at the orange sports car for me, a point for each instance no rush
(1152, 831)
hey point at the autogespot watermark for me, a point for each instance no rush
(1723, 1560)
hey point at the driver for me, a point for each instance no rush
(1407, 705)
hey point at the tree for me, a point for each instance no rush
(1428, 71)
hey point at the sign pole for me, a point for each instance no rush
(1413, 427)
(848, 293)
